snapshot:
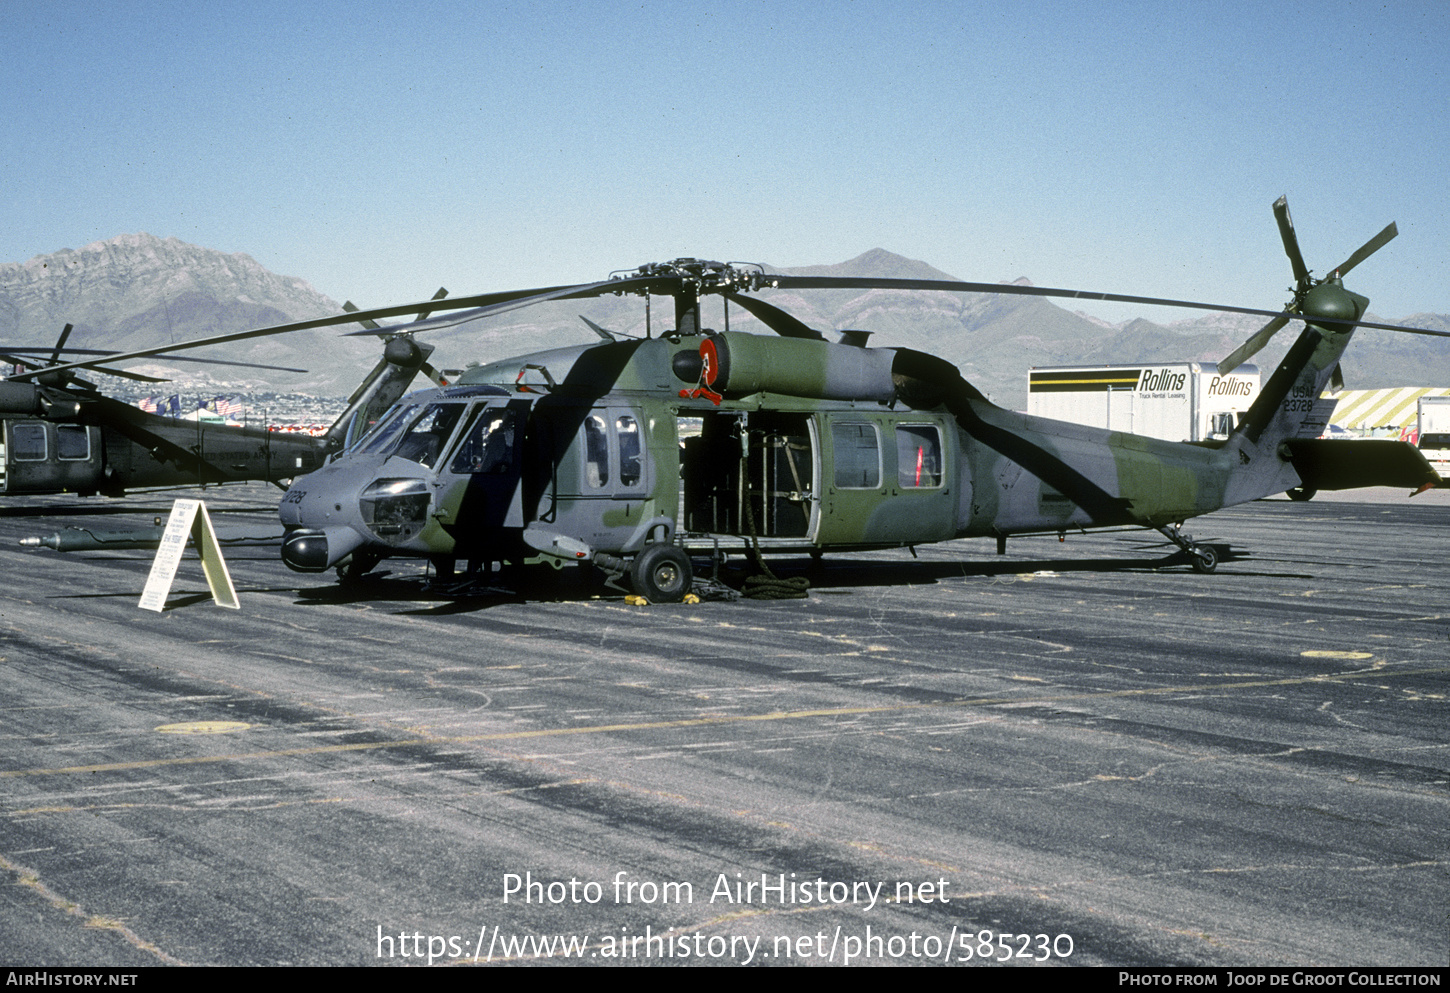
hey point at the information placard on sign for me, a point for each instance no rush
(188, 518)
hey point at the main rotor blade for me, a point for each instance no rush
(1291, 242)
(956, 286)
(519, 300)
(604, 333)
(319, 322)
(1010, 289)
(1368, 248)
(776, 319)
(1256, 341)
(243, 365)
(127, 375)
(26, 355)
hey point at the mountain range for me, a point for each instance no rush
(135, 291)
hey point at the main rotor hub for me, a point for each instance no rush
(700, 276)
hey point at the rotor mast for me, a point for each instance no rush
(686, 280)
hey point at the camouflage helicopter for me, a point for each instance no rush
(636, 455)
(60, 434)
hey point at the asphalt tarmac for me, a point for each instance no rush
(1080, 753)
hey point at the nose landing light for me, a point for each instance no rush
(318, 551)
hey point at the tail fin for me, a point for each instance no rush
(1287, 402)
(402, 359)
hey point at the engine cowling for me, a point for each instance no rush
(739, 364)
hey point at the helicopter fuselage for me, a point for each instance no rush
(59, 440)
(39, 455)
(594, 453)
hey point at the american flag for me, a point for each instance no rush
(227, 407)
(148, 405)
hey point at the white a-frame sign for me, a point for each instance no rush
(185, 520)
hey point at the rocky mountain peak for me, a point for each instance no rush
(138, 290)
(100, 286)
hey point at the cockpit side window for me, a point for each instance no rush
(488, 445)
(384, 434)
(425, 439)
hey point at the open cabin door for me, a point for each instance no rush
(750, 473)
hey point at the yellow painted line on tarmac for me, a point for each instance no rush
(688, 722)
(204, 727)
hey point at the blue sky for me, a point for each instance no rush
(380, 150)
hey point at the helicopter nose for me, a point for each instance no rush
(318, 551)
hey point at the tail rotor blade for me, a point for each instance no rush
(1258, 340)
(423, 314)
(60, 344)
(1369, 248)
(1291, 241)
(351, 308)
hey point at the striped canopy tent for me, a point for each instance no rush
(1392, 407)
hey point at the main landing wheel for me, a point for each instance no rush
(1204, 559)
(661, 574)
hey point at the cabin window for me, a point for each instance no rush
(630, 465)
(27, 442)
(72, 442)
(489, 446)
(857, 451)
(918, 456)
(596, 452)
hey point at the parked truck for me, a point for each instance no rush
(1175, 401)
(1432, 429)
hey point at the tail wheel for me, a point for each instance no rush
(661, 574)
(1301, 493)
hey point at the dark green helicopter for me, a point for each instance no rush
(60, 434)
(635, 455)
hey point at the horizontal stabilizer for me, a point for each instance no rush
(1325, 464)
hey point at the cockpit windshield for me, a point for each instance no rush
(418, 433)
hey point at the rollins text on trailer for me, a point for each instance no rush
(1174, 401)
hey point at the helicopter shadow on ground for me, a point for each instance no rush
(445, 598)
(832, 576)
(846, 574)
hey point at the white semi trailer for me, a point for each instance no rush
(1175, 401)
